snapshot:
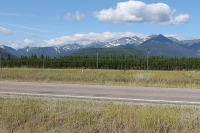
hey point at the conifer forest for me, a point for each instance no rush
(104, 62)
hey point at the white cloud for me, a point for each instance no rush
(88, 38)
(5, 31)
(18, 43)
(183, 18)
(68, 16)
(25, 27)
(10, 14)
(176, 36)
(33, 35)
(137, 11)
(77, 16)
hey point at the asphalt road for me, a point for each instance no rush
(107, 93)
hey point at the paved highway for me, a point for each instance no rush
(107, 93)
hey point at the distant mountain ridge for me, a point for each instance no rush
(158, 45)
(4, 53)
(163, 46)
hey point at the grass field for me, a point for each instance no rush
(176, 79)
(28, 115)
(25, 115)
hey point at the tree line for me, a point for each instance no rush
(104, 62)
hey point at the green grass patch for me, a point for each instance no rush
(176, 79)
(20, 115)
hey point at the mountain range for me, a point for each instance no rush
(156, 45)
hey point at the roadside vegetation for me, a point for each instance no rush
(173, 79)
(26, 115)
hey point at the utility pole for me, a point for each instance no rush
(148, 60)
(0, 61)
(97, 60)
(43, 59)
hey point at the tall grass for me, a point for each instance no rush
(25, 115)
(181, 79)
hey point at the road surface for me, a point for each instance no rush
(107, 93)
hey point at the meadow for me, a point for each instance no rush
(172, 79)
(29, 115)
(26, 115)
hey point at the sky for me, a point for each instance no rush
(42, 23)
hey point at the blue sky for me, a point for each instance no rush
(58, 22)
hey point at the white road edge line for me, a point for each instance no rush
(101, 98)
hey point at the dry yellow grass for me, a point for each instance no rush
(25, 115)
(177, 79)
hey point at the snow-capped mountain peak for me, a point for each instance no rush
(173, 39)
(127, 40)
(149, 37)
(73, 46)
(27, 48)
(56, 49)
(2, 47)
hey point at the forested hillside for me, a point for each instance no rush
(110, 52)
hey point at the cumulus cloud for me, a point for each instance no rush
(137, 11)
(5, 31)
(77, 16)
(19, 43)
(183, 18)
(88, 38)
